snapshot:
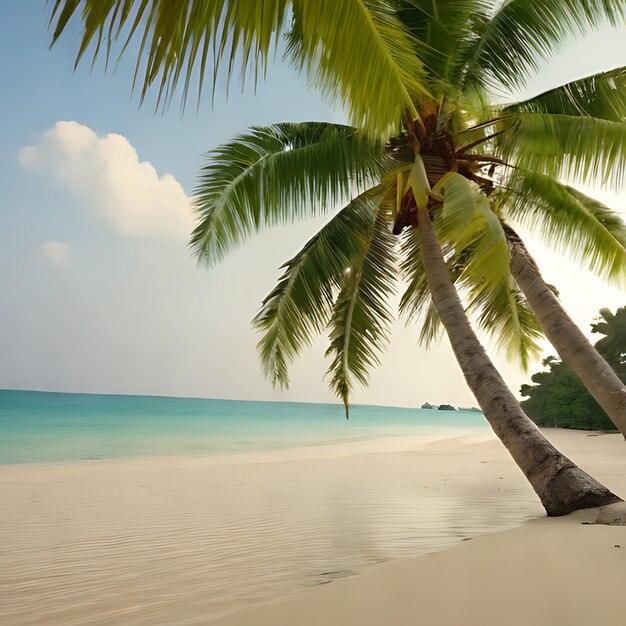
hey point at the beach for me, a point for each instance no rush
(556, 572)
(444, 529)
(280, 280)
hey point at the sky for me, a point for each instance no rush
(98, 290)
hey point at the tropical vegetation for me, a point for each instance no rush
(559, 399)
(613, 345)
(430, 175)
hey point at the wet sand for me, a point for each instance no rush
(186, 541)
(549, 572)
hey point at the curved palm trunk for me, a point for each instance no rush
(573, 347)
(561, 486)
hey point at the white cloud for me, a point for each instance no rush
(106, 175)
(56, 253)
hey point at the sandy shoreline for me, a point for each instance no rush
(185, 541)
(549, 572)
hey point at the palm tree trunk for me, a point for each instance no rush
(573, 347)
(561, 486)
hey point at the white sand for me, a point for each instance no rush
(181, 541)
(555, 572)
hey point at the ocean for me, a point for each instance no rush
(42, 427)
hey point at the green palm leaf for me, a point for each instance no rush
(503, 312)
(178, 37)
(416, 304)
(443, 29)
(601, 95)
(279, 174)
(360, 55)
(300, 305)
(522, 33)
(569, 221)
(361, 316)
(583, 149)
(416, 296)
(470, 227)
(356, 51)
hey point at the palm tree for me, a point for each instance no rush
(588, 111)
(413, 76)
(343, 277)
(573, 347)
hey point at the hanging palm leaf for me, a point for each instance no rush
(602, 96)
(520, 34)
(299, 307)
(569, 221)
(337, 41)
(178, 38)
(361, 316)
(582, 149)
(470, 227)
(416, 304)
(356, 51)
(279, 174)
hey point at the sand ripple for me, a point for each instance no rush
(179, 541)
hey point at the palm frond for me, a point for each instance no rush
(299, 307)
(581, 149)
(569, 221)
(498, 306)
(601, 95)
(177, 39)
(278, 174)
(443, 29)
(416, 304)
(416, 297)
(361, 317)
(521, 33)
(469, 226)
(361, 56)
(502, 311)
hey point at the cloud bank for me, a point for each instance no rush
(56, 253)
(106, 175)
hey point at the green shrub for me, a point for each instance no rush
(558, 398)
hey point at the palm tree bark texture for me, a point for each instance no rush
(561, 486)
(568, 340)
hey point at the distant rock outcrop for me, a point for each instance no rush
(427, 405)
(446, 407)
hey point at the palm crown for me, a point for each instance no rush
(416, 78)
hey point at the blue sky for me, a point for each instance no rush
(88, 306)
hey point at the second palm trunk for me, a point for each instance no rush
(573, 347)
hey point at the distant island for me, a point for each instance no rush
(449, 407)
(438, 407)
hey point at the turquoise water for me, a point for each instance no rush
(46, 427)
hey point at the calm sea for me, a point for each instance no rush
(46, 427)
